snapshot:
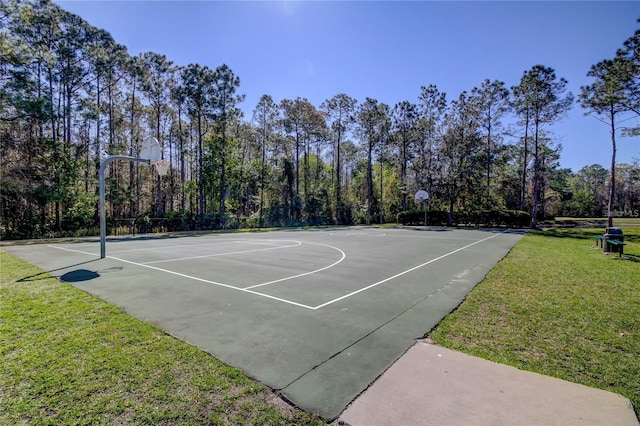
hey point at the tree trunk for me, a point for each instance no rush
(223, 173)
(297, 162)
(338, 184)
(612, 187)
(525, 159)
(369, 181)
(536, 171)
(182, 165)
(262, 164)
(488, 194)
(158, 177)
(381, 193)
(200, 154)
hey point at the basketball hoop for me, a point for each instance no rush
(162, 166)
(422, 195)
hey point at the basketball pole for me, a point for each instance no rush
(424, 207)
(423, 196)
(103, 218)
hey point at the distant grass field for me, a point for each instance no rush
(558, 306)
(70, 358)
(630, 224)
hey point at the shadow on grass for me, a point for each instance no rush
(46, 274)
(579, 233)
(583, 233)
(628, 257)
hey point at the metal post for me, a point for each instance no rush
(424, 206)
(103, 218)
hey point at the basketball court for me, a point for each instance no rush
(317, 315)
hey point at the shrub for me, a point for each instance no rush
(416, 217)
(494, 217)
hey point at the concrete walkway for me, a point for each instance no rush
(431, 385)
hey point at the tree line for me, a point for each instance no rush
(70, 95)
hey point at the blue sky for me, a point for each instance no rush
(385, 50)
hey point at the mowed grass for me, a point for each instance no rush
(558, 306)
(70, 358)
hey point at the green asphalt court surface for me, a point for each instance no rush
(317, 315)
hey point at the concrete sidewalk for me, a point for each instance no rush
(431, 385)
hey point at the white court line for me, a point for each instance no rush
(192, 277)
(213, 282)
(75, 251)
(170, 247)
(226, 253)
(357, 234)
(401, 273)
(306, 273)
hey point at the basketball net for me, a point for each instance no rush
(162, 166)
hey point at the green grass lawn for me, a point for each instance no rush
(70, 358)
(558, 306)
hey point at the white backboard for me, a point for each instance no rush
(422, 195)
(150, 150)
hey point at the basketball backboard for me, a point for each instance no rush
(150, 150)
(422, 195)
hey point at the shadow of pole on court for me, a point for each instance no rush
(79, 275)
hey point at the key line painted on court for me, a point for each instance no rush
(402, 273)
(246, 290)
(306, 273)
(264, 242)
(257, 293)
(358, 234)
(212, 282)
(172, 246)
(223, 254)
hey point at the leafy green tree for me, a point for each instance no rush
(628, 193)
(431, 109)
(340, 111)
(314, 130)
(551, 180)
(589, 187)
(158, 71)
(460, 159)
(372, 118)
(178, 98)
(630, 56)
(522, 107)
(198, 83)
(607, 98)
(225, 101)
(265, 116)
(385, 167)
(134, 75)
(545, 100)
(294, 112)
(492, 100)
(405, 122)
(304, 122)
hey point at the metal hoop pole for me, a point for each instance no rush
(103, 218)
